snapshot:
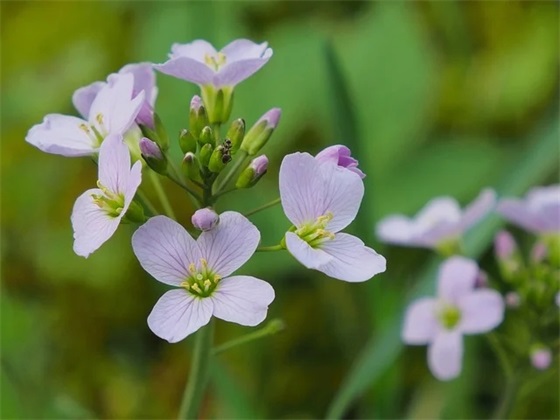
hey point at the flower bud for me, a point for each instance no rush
(190, 167)
(539, 252)
(205, 219)
(187, 142)
(206, 136)
(198, 118)
(219, 103)
(219, 159)
(481, 280)
(235, 134)
(259, 133)
(507, 254)
(153, 156)
(252, 173)
(205, 154)
(512, 300)
(541, 357)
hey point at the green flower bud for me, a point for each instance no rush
(162, 138)
(235, 134)
(252, 173)
(187, 142)
(190, 167)
(259, 133)
(206, 136)
(205, 154)
(198, 118)
(219, 159)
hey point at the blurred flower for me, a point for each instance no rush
(320, 200)
(539, 252)
(112, 112)
(513, 300)
(504, 245)
(144, 81)
(205, 219)
(538, 212)
(98, 211)
(199, 62)
(541, 357)
(458, 309)
(439, 222)
(341, 156)
(200, 269)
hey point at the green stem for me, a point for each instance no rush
(508, 399)
(198, 377)
(270, 248)
(501, 354)
(161, 195)
(263, 207)
(271, 328)
(241, 156)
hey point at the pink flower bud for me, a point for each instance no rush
(504, 245)
(205, 219)
(341, 155)
(272, 117)
(150, 149)
(539, 252)
(259, 165)
(541, 358)
(512, 300)
(196, 103)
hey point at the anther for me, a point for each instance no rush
(196, 288)
(192, 268)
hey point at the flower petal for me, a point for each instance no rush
(420, 322)
(515, 211)
(92, 226)
(165, 250)
(196, 50)
(481, 311)
(396, 229)
(115, 106)
(351, 260)
(187, 69)
(456, 278)
(242, 299)
(230, 244)
(144, 81)
(233, 73)
(479, 208)
(445, 355)
(305, 254)
(84, 96)
(343, 193)
(243, 49)
(61, 135)
(178, 314)
(437, 221)
(301, 188)
(114, 164)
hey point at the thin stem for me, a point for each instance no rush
(161, 195)
(270, 248)
(263, 207)
(224, 192)
(501, 354)
(198, 377)
(272, 327)
(508, 399)
(194, 196)
(147, 203)
(241, 156)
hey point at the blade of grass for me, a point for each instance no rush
(533, 165)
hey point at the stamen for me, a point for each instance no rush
(203, 263)
(192, 268)
(186, 285)
(217, 278)
(207, 285)
(99, 119)
(197, 288)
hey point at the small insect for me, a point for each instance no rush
(226, 157)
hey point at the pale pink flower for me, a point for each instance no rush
(541, 358)
(538, 212)
(201, 272)
(98, 211)
(341, 156)
(112, 111)
(459, 309)
(199, 62)
(321, 199)
(439, 222)
(205, 219)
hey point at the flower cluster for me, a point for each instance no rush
(121, 130)
(466, 302)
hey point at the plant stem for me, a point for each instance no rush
(263, 207)
(241, 156)
(198, 377)
(161, 195)
(270, 248)
(272, 327)
(501, 354)
(508, 399)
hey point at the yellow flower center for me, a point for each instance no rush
(201, 281)
(215, 61)
(449, 316)
(112, 203)
(315, 233)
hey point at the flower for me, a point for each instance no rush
(205, 219)
(538, 212)
(144, 81)
(541, 358)
(199, 62)
(340, 155)
(504, 245)
(458, 309)
(111, 112)
(439, 222)
(200, 270)
(98, 211)
(320, 200)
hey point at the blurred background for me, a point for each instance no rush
(435, 98)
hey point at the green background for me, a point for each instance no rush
(435, 98)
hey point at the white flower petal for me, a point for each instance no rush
(437, 221)
(456, 278)
(396, 229)
(516, 211)
(445, 355)
(114, 164)
(187, 69)
(133, 182)
(196, 50)
(230, 244)
(481, 311)
(84, 96)
(420, 322)
(242, 299)
(234, 73)
(178, 314)
(351, 260)
(243, 49)
(92, 226)
(479, 208)
(301, 188)
(165, 250)
(309, 257)
(61, 135)
(342, 196)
